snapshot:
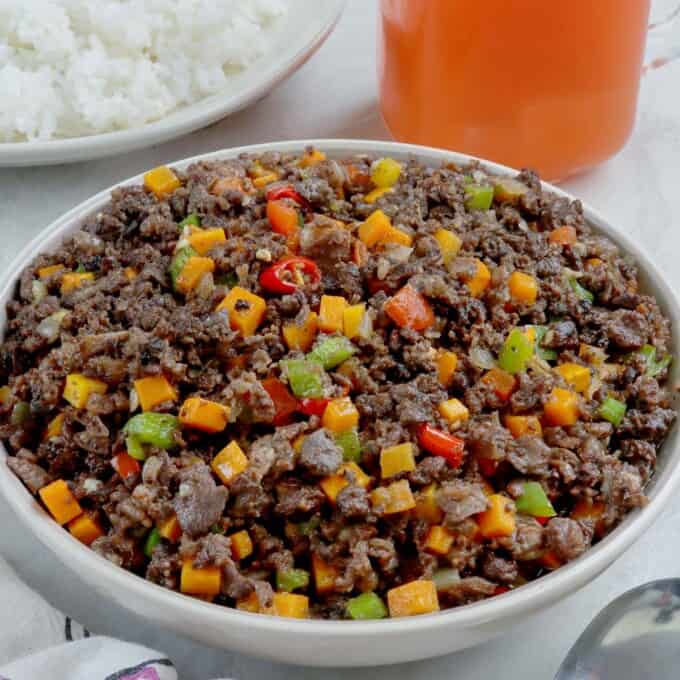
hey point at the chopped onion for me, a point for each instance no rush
(366, 325)
(383, 268)
(49, 327)
(482, 358)
(206, 286)
(39, 291)
(399, 254)
(445, 578)
(134, 400)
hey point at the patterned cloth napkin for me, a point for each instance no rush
(37, 642)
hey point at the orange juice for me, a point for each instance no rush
(546, 84)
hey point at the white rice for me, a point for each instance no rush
(77, 67)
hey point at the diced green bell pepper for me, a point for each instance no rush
(351, 446)
(152, 540)
(331, 352)
(178, 263)
(580, 291)
(654, 367)
(534, 502)
(543, 352)
(478, 196)
(305, 378)
(292, 579)
(613, 410)
(229, 279)
(366, 606)
(516, 352)
(154, 429)
(80, 269)
(192, 220)
(21, 413)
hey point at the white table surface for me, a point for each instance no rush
(639, 190)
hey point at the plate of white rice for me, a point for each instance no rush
(83, 80)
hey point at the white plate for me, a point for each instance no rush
(343, 643)
(299, 35)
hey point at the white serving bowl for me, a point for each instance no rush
(341, 643)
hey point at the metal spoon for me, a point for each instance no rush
(635, 637)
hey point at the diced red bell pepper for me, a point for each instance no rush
(502, 382)
(287, 191)
(287, 275)
(542, 520)
(313, 407)
(442, 444)
(284, 402)
(125, 465)
(409, 309)
(487, 466)
(501, 589)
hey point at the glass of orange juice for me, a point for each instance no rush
(546, 84)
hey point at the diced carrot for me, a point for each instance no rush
(523, 287)
(246, 310)
(204, 240)
(411, 599)
(331, 313)
(312, 157)
(59, 500)
(45, 272)
(204, 415)
(301, 336)
(170, 529)
(324, 575)
(79, 387)
(498, 520)
(372, 196)
(454, 411)
(409, 309)
(523, 425)
(398, 236)
(251, 603)
(265, 179)
(291, 605)
(565, 236)
(130, 273)
(449, 244)
(503, 383)
(85, 528)
(161, 181)
(446, 367)
(283, 217)
(229, 462)
(352, 319)
(427, 507)
(193, 271)
(374, 228)
(397, 459)
(439, 540)
(54, 427)
(561, 407)
(154, 390)
(340, 415)
(241, 545)
(575, 375)
(73, 281)
(392, 499)
(480, 281)
(334, 484)
(205, 581)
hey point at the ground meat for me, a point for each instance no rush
(320, 454)
(199, 502)
(290, 474)
(565, 538)
(459, 500)
(498, 569)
